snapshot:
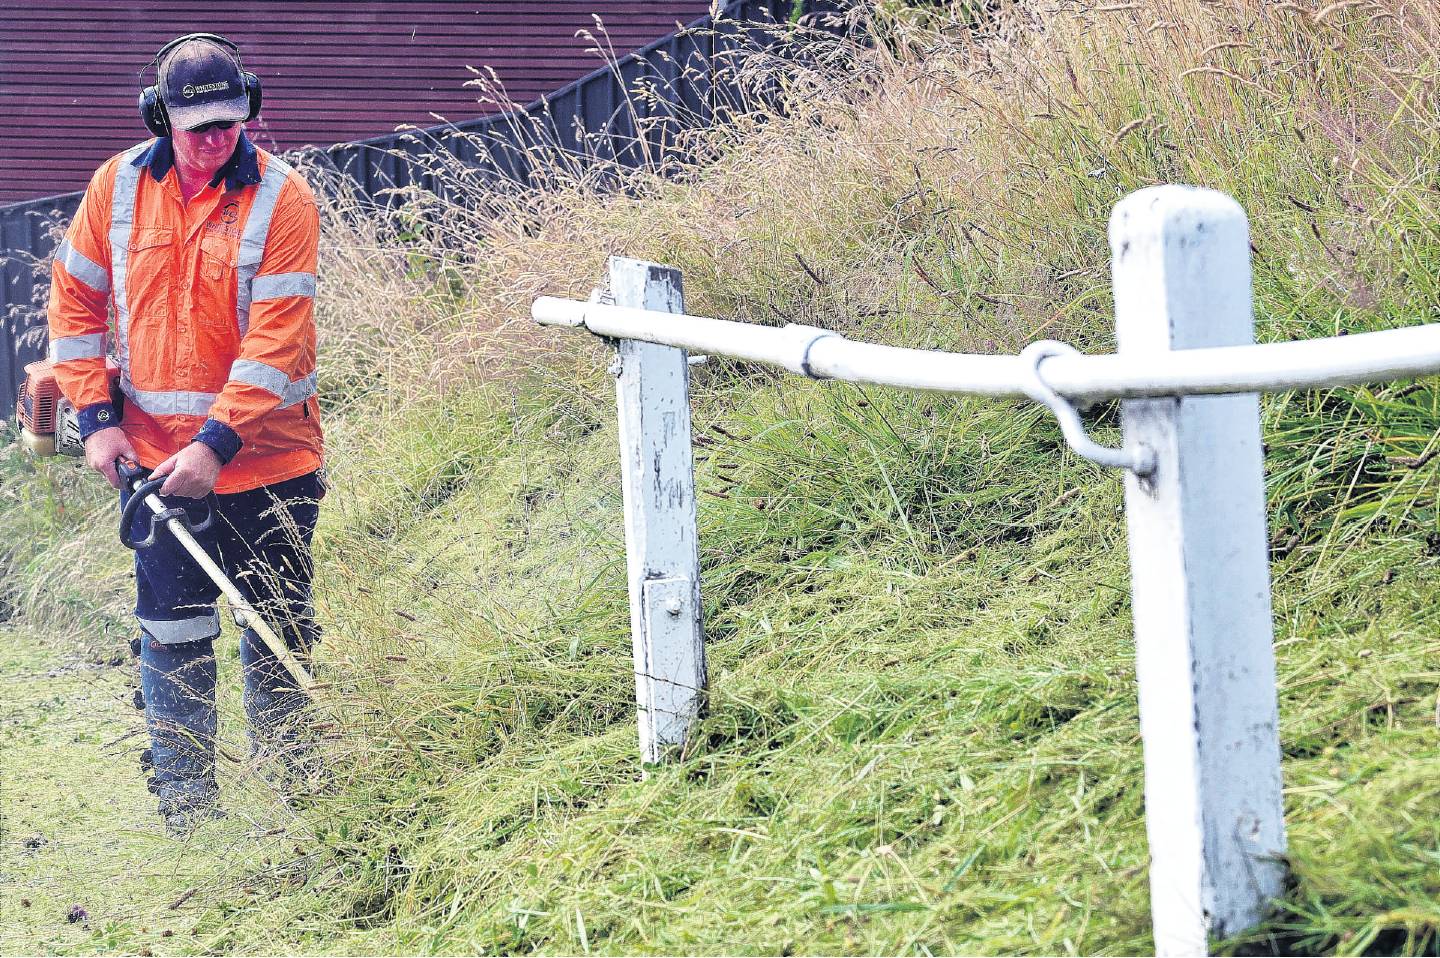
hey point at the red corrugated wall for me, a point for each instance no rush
(332, 71)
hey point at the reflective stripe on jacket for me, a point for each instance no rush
(213, 303)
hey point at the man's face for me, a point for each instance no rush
(204, 153)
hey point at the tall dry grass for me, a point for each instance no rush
(946, 176)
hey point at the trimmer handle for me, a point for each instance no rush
(135, 477)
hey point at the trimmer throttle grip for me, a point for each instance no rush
(129, 470)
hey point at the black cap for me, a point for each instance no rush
(201, 82)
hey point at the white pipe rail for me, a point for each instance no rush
(1270, 367)
(1194, 503)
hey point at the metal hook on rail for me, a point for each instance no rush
(1139, 460)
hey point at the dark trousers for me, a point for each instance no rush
(261, 539)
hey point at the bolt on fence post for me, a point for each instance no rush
(652, 390)
(1201, 580)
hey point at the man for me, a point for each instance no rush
(206, 248)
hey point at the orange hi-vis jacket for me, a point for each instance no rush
(213, 303)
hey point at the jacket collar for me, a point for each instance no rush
(242, 169)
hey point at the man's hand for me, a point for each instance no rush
(191, 472)
(103, 447)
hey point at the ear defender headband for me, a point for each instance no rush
(152, 103)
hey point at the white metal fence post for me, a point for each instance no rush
(652, 390)
(1199, 566)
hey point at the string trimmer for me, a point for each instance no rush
(143, 490)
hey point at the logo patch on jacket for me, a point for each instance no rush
(229, 215)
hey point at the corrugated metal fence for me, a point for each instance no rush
(626, 114)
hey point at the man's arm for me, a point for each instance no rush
(79, 292)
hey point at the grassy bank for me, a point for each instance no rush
(923, 734)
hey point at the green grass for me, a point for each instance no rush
(922, 734)
(923, 730)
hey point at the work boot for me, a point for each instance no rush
(185, 810)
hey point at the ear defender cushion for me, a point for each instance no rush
(252, 89)
(152, 112)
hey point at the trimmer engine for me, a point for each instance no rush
(48, 422)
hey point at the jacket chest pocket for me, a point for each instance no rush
(217, 259)
(147, 237)
(148, 263)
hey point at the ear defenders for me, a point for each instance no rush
(152, 104)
